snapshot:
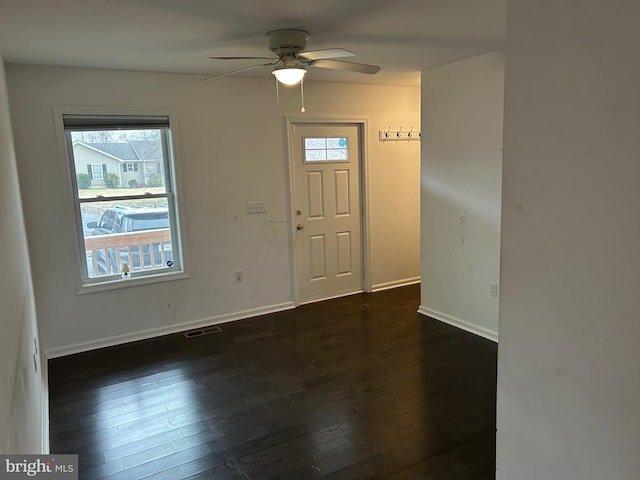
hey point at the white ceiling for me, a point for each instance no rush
(402, 36)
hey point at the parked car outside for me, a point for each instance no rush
(122, 219)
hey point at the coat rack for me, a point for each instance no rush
(398, 135)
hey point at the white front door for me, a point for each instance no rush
(326, 195)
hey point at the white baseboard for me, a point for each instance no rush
(395, 284)
(457, 322)
(44, 365)
(331, 297)
(157, 332)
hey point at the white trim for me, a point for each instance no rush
(366, 210)
(457, 322)
(331, 297)
(293, 263)
(164, 275)
(44, 365)
(395, 284)
(157, 332)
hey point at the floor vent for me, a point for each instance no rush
(198, 332)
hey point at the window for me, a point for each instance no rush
(95, 171)
(126, 229)
(326, 149)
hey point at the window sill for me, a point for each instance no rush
(117, 284)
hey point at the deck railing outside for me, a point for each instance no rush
(147, 249)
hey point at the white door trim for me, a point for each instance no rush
(362, 125)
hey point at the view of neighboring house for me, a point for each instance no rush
(135, 162)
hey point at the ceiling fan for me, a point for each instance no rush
(291, 58)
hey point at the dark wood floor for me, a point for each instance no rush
(357, 387)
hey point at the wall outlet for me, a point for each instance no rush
(239, 276)
(493, 289)
(256, 207)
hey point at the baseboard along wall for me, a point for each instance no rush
(395, 284)
(167, 330)
(457, 322)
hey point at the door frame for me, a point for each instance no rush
(362, 125)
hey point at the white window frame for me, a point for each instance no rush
(171, 176)
(128, 167)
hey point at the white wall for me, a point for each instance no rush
(569, 358)
(22, 389)
(462, 107)
(233, 150)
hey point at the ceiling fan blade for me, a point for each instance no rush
(218, 75)
(326, 53)
(243, 58)
(347, 66)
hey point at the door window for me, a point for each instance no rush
(326, 149)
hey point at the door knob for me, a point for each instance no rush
(299, 227)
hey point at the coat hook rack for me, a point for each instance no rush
(398, 135)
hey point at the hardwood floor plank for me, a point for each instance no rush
(136, 473)
(138, 443)
(183, 456)
(356, 471)
(148, 455)
(210, 466)
(97, 471)
(196, 439)
(172, 474)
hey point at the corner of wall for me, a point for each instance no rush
(23, 396)
(461, 182)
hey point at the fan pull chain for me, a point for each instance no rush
(277, 93)
(302, 95)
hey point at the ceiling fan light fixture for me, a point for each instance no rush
(289, 76)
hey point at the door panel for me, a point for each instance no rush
(343, 239)
(316, 192)
(316, 250)
(342, 192)
(326, 192)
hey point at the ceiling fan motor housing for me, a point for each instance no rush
(287, 41)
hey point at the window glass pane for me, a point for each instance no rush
(326, 149)
(337, 154)
(118, 162)
(315, 143)
(339, 142)
(311, 155)
(114, 233)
